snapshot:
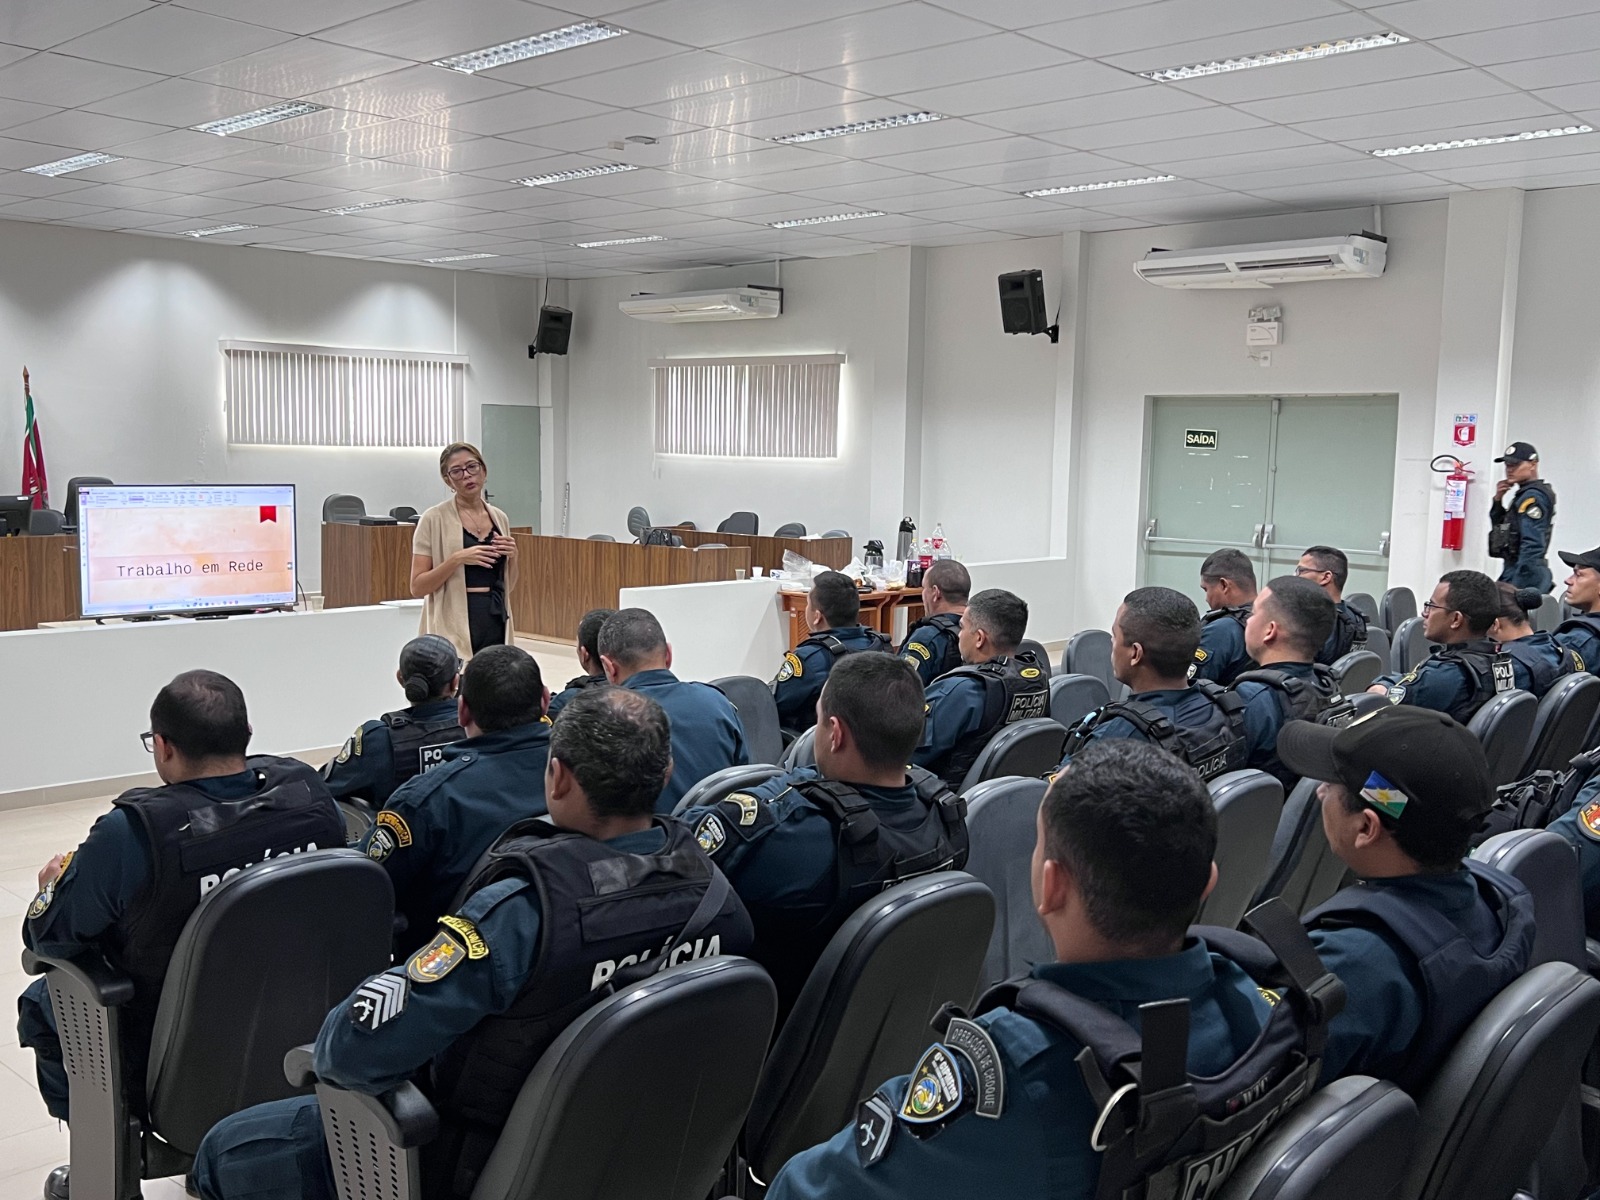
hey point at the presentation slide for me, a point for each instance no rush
(185, 549)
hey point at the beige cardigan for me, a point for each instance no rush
(437, 537)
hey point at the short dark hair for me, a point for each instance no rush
(1136, 827)
(202, 714)
(1229, 564)
(618, 745)
(1304, 609)
(1003, 616)
(1473, 595)
(951, 578)
(835, 597)
(589, 630)
(1167, 624)
(631, 635)
(503, 688)
(1332, 560)
(1436, 846)
(878, 697)
(1517, 604)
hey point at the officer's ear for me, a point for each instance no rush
(1211, 883)
(669, 656)
(608, 666)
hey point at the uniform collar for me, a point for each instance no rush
(1450, 893)
(433, 708)
(1160, 695)
(228, 787)
(1187, 973)
(650, 678)
(640, 841)
(503, 741)
(1297, 670)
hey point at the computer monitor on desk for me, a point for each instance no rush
(15, 513)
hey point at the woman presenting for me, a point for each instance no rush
(464, 559)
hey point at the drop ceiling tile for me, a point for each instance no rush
(516, 111)
(1000, 206)
(364, 174)
(1520, 173)
(387, 138)
(1321, 75)
(412, 92)
(861, 35)
(980, 58)
(1448, 88)
(353, 225)
(181, 102)
(117, 195)
(484, 222)
(1023, 89)
(695, 192)
(1271, 35)
(86, 130)
(1441, 18)
(270, 191)
(19, 184)
(751, 165)
(609, 55)
(769, 98)
(197, 180)
(881, 143)
(46, 210)
(1170, 22)
(1224, 166)
(1024, 14)
(1367, 168)
(1434, 121)
(664, 79)
(625, 183)
(425, 30)
(596, 132)
(39, 24)
(21, 112)
(954, 158)
(183, 147)
(171, 41)
(1507, 152)
(109, 219)
(1551, 72)
(480, 193)
(121, 171)
(1531, 182)
(1572, 98)
(279, 161)
(1147, 101)
(1160, 156)
(1118, 134)
(264, 215)
(1358, 192)
(478, 154)
(296, 69)
(189, 206)
(892, 193)
(819, 118)
(572, 208)
(307, 127)
(765, 207)
(66, 82)
(292, 16)
(1056, 168)
(707, 22)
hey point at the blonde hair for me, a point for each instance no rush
(455, 448)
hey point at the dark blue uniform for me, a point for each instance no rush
(1582, 634)
(364, 769)
(707, 734)
(574, 686)
(1185, 707)
(1538, 661)
(1039, 1146)
(1349, 633)
(1443, 685)
(1222, 654)
(1580, 825)
(805, 669)
(434, 828)
(955, 709)
(934, 646)
(1531, 516)
(277, 1151)
(1265, 711)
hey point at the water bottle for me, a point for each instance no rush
(940, 544)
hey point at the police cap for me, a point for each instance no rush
(1589, 558)
(1519, 452)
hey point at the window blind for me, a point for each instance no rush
(748, 407)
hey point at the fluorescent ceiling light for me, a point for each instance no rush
(270, 115)
(1271, 58)
(77, 162)
(845, 216)
(459, 257)
(630, 241)
(1099, 187)
(564, 38)
(215, 229)
(367, 207)
(815, 135)
(579, 173)
(1527, 135)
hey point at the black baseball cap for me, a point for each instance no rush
(1413, 764)
(1589, 558)
(1519, 452)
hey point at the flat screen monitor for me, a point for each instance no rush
(185, 549)
(15, 513)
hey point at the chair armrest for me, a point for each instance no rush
(105, 985)
(297, 1067)
(1591, 956)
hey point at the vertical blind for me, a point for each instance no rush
(285, 395)
(748, 407)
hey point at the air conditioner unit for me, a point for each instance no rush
(1265, 264)
(725, 304)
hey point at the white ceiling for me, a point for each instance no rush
(1039, 93)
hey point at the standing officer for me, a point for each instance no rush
(545, 922)
(433, 829)
(383, 754)
(128, 890)
(1537, 658)
(1329, 569)
(588, 658)
(1461, 678)
(1581, 632)
(707, 734)
(1229, 583)
(933, 647)
(833, 611)
(1520, 534)
(806, 849)
(997, 686)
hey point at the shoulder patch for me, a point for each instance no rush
(1589, 820)
(1531, 506)
(476, 946)
(874, 1128)
(47, 894)
(436, 960)
(1397, 694)
(389, 819)
(710, 834)
(935, 1090)
(749, 807)
(919, 649)
(378, 1001)
(792, 667)
(346, 751)
(972, 1042)
(1270, 996)
(1200, 655)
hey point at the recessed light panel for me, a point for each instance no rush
(830, 218)
(628, 241)
(270, 115)
(579, 173)
(564, 38)
(1271, 58)
(358, 208)
(1527, 135)
(216, 229)
(459, 258)
(1099, 187)
(64, 166)
(833, 131)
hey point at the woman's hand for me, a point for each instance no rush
(474, 556)
(505, 546)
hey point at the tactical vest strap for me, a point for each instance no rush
(852, 815)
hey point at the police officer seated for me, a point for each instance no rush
(1580, 825)
(833, 611)
(1537, 659)
(1424, 940)
(1519, 533)
(1581, 632)
(1289, 622)
(1153, 640)
(588, 658)
(1465, 675)
(128, 890)
(933, 646)
(996, 686)
(707, 734)
(806, 849)
(432, 830)
(1229, 582)
(383, 754)
(1329, 569)
(1122, 862)
(554, 920)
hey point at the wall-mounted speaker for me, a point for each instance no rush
(1022, 304)
(555, 331)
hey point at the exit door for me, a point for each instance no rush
(511, 443)
(1269, 476)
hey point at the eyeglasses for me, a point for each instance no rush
(1305, 571)
(149, 740)
(1429, 606)
(465, 470)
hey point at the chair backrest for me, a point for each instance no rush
(1356, 671)
(1548, 616)
(1364, 604)
(1088, 652)
(1295, 847)
(1545, 865)
(792, 529)
(1001, 829)
(1487, 1111)
(43, 522)
(563, 1137)
(1029, 747)
(69, 511)
(1399, 606)
(1248, 805)
(763, 736)
(638, 521)
(1039, 652)
(254, 973)
(1503, 725)
(1378, 642)
(802, 752)
(837, 533)
(863, 1015)
(1342, 1143)
(1409, 645)
(403, 512)
(740, 522)
(1074, 697)
(342, 509)
(599, 537)
(719, 785)
(1561, 723)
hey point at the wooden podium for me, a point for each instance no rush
(38, 581)
(365, 564)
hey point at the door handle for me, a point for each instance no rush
(1257, 537)
(1270, 536)
(1150, 529)
(1383, 543)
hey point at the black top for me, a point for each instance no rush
(482, 577)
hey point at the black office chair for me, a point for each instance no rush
(44, 522)
(1356, 671)
(638, 522)
(1040, 654)
(1504, 725)
(758, 713)
(802, 752)
(1088, 652)
(599, 537)
(833, 533)
(1029, 747)
(863, 1014)
(1302, 869)
(1074, 697)
(563, 1137)
(1410, 646)
(792, 530)
(1378, 643)
(69, 512)
(257, 967)
(719, 785)
(1561, 723)
(741, 522)
(1248, 805)
(1365, 605)
(1399, 606)
(1001, 830)
(404, 513)
(358, 818)
(1548, 616)
(342, 509)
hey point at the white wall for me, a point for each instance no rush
(120, 335)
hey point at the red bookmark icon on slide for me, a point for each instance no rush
(269, 512)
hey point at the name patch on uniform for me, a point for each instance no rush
(476, 946)
(429, 757)
(791, 668)
(935, 1090)
(972, 1042)
(874, 1127)
(749, 807)
(394, 821)
(436, 960)
(1384, 796)
(710, 834)
(47, 894)
(378, 1001)
(1505, 677)
(919, 649)
(1588, 820)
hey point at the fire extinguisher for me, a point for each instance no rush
(1453, 536)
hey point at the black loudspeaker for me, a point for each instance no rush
(555, 330)
(1022, 304)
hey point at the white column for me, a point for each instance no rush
(552, 402)
(894, 393)
(1070, 361)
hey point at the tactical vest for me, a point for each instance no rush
(195, 843)
(1456, 981)
(1544, 672)
(1505, 535)
(1538, 799)
(1014, 689)
(949, 623)
(1212, 749)
(584, 681)
(1316, 699)
(1163, 1133)
(1590, 622)
(835, 647)
(1488, 671)
(419, 745)
(1349, 632)
(1239, 612)
(608, 919)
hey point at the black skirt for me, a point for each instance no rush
(486, 618)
